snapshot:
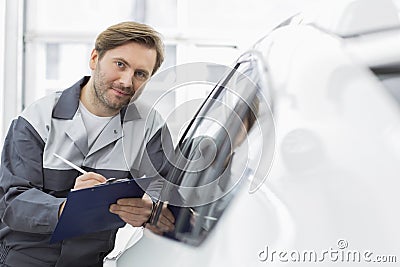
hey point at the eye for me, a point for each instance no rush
(120, 64)
(141, 75)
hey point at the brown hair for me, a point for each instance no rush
(130, 31)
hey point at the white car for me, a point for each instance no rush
(317, 178)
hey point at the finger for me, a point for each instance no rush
(165, 225)
(166, 220)
(154, 229)
(80, 184)
(119, 209)
(131, 218)
(136, 202)
(92, 176)
(89, 179)
(168, 214)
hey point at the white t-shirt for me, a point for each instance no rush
(94, 124)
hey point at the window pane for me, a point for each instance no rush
(215, 155)
(52, 60)
(60, 36)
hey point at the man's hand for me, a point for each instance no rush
(60, 210)
(134, 211)
(166, 222)
(88, 180)
(84, 181)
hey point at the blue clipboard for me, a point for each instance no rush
(87, 210)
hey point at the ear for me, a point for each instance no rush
(94, 57)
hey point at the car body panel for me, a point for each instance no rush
(333, 184)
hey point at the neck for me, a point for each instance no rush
(93, 104)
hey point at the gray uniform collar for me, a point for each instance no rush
(68, 104)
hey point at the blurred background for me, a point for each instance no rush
(45, 45)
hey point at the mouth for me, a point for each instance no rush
(120, 92)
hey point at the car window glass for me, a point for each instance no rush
(215, 156)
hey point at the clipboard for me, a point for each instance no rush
(87, 210)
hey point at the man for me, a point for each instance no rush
(84, 124)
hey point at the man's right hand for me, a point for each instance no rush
(86, 180)
(89, 179)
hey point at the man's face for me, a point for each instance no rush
(120, 73)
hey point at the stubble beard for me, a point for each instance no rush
(100, 94)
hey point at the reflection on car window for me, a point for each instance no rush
(391, 81)
(212, 157)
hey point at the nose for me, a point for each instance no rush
(126, 79)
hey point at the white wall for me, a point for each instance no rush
(11, 85)
(201, 30)
(2, 33)
(238, 21)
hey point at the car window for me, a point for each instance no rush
(391, 81)
(214, 156)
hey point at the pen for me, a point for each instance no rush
(109, 180)
(70, 164)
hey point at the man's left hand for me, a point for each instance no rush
(134, 211)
